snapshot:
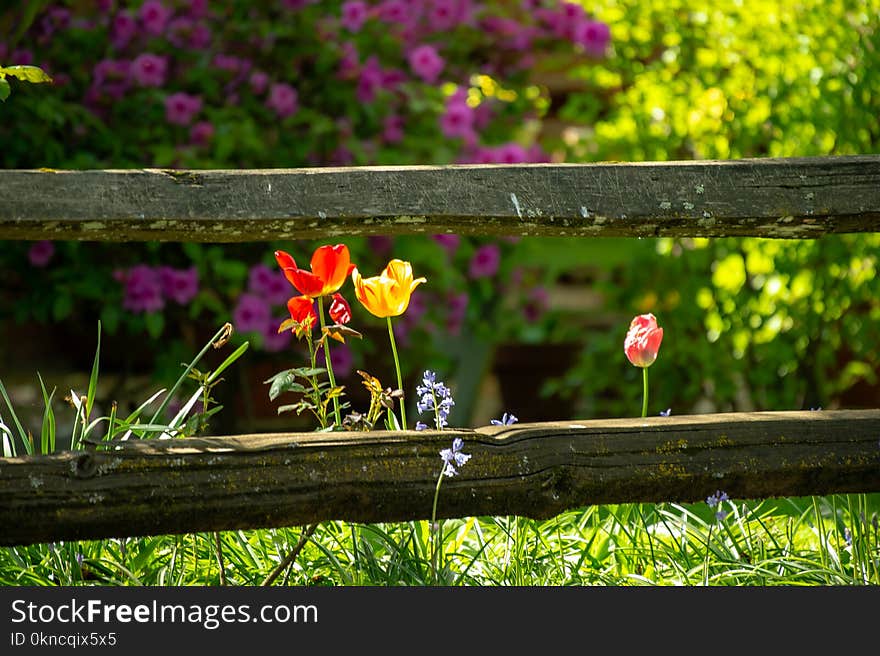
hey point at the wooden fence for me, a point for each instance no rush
(535, 470)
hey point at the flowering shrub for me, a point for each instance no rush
(209, 84)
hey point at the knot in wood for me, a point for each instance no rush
(85, 466)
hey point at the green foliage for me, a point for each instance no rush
(33, 74)
(782, 542)
(749, 324)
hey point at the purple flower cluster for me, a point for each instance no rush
(506, 420)
(436, 397)
(257, 308)
(181, 108)
(205, 62)
(147, 288)
(40, 253)
(341, 358)
(485, 261)
(714, 501)
(454, 457)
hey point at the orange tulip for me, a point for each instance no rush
(388, 294)
(302, 310)
(330, 267)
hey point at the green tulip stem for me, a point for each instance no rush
(399, 377)
(645, 392)
(326, 341)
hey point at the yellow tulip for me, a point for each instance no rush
(388, 294)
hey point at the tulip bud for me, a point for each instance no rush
(643, 340)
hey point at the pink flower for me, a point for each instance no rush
(40, 253)
(295, 5)
(380, 244)
(456, 305)
(123, 29)
(198, 8)
(143, 289)
(251, 314)
(348, 62)
(354, 14)
(511, 153)
(448, 242)
(392, 128)
(200, 37)
(593, 36)
(484, 155)
(181, 108)
(269, 284)
(259, 81)
(273, 341)
(201, 133)
(22, 57)
(426, 63)
(148, 70)
(183, 32)
(536, 304)
(154, 16)
(444, 14)
(370, 80)
(180, 285)
(485, 261)
(643, 340)
(283, 99)
(457, 120)
(394, 11)
(111, 77)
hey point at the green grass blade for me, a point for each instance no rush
(218, 335)
(236, 354)
(28, 446)
(47, 430)
(93, 379)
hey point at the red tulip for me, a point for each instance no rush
(340, 311)
(643, 340)
(302, 310)
(331, 265)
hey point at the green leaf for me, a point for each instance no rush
(284, 381)
(33, 74)
(29, 447)
(307, 372)
(391, 422)
(62, 306)
(93, 378)
(4, 89)
(155, 324)
(47, 430)
(228, 361)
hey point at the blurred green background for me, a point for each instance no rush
(529, 326)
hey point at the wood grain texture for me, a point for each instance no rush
(780, 198)
(534, 470)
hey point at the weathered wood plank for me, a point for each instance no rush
(534, 470)
(782, 198)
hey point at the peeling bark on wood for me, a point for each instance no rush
(534, 470)
(780, 198)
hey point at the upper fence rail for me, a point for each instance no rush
(779, 198)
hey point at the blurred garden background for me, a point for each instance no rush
(532, 326)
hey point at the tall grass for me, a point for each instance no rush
(793, 541)
(830, 540)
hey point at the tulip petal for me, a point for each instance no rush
(332, 265)
(340, 310)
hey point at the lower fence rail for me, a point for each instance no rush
(537, 470)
